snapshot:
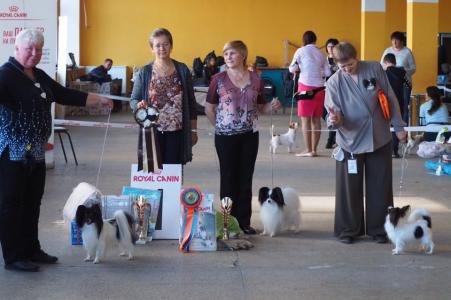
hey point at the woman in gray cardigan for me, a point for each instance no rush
(166, 84)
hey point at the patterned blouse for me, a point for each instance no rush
(166, 94)
(237, 110)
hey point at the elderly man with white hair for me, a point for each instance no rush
(26, 95)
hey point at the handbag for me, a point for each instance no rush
(308, 95)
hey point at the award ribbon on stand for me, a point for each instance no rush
(190, 198)
(149, 154)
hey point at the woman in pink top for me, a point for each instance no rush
(234, 101)
(313, 67)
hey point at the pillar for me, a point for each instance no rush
(372, 36)
(422, 30)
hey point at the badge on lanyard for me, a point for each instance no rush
(352, 165)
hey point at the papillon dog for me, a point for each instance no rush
(402, 230)
(279, 210)
(99, 235)
(288, 138)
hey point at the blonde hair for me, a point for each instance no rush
(160, 32)
(239, 46)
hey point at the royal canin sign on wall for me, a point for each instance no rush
(13, 12)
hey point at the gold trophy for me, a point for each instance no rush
(141, 209)
(226, 206)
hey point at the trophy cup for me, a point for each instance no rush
(226, 206)
(141, 209)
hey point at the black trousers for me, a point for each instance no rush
(171, 146)
(374, 179)
(21, 190)
(237, 155)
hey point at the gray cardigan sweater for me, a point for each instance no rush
(141, 92)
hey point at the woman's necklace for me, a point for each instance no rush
(163, 69)
(239, 78)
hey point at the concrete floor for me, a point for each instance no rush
(308, 265)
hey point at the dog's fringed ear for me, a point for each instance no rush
(80, 215)
(277, 196)
(405, 209)
(263, 194)
(96, 209)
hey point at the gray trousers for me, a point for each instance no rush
(353, 216)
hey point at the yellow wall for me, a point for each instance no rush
(396, 18)
(120, 29)
(372, 35)
(444, 15)
(421, 34)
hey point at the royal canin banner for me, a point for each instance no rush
(16, 15)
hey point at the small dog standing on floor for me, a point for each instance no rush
(418, 227)
(288, 138)
(279, 210)
(99, 235)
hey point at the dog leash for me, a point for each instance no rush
(103, 149)
(272, 152)
(292, 98)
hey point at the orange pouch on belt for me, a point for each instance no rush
(383, 101)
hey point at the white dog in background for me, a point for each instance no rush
(279, 210)
(402, 230)
(288, 138)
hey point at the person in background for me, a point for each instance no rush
(166, 84)
(330, 43)
(313, 67)
(363, 161)
(100, 73)
(433, 111)
(234, 100)
(405, 59)
(396, 76)
(26, 97)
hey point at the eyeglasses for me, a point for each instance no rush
(163, 45)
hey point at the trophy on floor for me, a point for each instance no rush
(141, 210)
(149, 154)
(226, 206)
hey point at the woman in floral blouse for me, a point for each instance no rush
(234, 99)
(167, 84)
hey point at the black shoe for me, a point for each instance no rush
(395, 155)
(23, 266)
(381, 239)
(346, 240)
(248, 230)
(43, 258)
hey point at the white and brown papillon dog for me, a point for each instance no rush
(288, 138)
(100, 235)
(403, 230)
(279, 210)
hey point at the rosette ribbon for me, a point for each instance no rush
(149, 154)
(190, 198)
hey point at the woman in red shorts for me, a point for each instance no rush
(313, 67)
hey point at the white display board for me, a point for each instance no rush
(16, 15)
(170, 181)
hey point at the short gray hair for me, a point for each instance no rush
(343, 52)
(30, 35)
